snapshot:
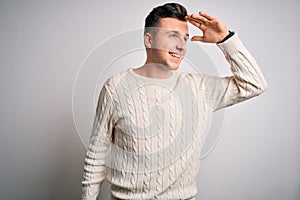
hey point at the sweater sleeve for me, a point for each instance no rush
(100, 139)
(246, 82)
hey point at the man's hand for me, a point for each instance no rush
(212, 28)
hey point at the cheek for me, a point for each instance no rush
(160, 46)
(158, 54)
(165, 44)
(170, 44)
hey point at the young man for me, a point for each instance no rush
(152, 120)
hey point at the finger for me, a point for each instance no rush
(196, 23)
(198, 18)
(206, 15)
(197, 38)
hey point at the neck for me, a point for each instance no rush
(153, 70)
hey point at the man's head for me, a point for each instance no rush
(169, 10)
(165, 35)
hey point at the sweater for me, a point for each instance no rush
(148, 133)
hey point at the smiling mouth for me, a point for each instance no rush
(175, 55)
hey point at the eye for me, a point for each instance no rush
(174, 35)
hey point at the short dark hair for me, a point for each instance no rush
(173, 10)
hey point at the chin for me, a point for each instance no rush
(173, 66)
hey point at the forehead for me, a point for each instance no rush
(174, 24)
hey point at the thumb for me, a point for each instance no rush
(197, 38)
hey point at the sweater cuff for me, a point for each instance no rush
(229, 35)
(232, 45)
(90, 192)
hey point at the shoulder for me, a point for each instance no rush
(115, 80)
(191, 77)
(201, 82)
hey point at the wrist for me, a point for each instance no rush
(229, 34)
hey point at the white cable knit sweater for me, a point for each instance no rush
(149, 132)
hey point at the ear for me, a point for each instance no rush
(148, 40)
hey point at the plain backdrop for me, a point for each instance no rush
(43, 45)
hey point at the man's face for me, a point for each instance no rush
(168, 44)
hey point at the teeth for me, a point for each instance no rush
(174, 54)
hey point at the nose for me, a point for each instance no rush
(181, 45)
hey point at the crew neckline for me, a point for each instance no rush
(145, 78)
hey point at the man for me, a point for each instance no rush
(152, 120)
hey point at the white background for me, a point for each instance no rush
(43, 44)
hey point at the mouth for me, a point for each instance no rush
(175, 55)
